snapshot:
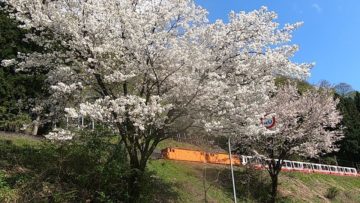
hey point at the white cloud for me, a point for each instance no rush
(317, 7)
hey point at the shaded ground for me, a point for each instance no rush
(91, 170)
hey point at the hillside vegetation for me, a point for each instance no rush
(171, 181)
(187, 179)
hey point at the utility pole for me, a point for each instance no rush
(232, 171)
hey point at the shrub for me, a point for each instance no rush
(90, 168)
(14, 123)
(332, 192)
(252, 184)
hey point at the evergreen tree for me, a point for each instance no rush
(16, 89)
(357, 100)
(350, 145)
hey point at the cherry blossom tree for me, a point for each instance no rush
(151, 69)
(307, 124)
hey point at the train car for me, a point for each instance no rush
(199, 156)
(183, 154)
(304, 167)
(222, 158)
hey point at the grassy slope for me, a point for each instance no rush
(7, 194)
(314, 187)
(186, 181)
(19, 140)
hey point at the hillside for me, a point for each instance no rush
(175, 181)
(187, 181)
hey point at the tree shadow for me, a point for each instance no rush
(81, 171)
(157, 191)
(251, 185)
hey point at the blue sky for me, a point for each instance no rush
(330, 36)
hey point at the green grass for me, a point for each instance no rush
(41, 171)
(293, 187)
(175, 181)
(21, 140)
(344, 182)
(187, 181)
(316, 187)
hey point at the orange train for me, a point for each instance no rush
(181, 154)
(199, 156)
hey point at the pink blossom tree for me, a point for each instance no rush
(151, 69)
(307, 124)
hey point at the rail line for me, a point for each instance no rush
(182, 154)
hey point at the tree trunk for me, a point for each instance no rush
(134, 189)
(139, 152)
(204, 185)
(135, 178)
(274, 185)
(36, 126)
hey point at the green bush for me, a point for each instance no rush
(332, 192)
(252, 185)
(329, 161)
(90, 168)
(14, 123)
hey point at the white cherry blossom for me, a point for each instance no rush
(150, 69)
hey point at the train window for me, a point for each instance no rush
(353, 171)
(288, 164)
(341, 169)
(324, 168)
(297, 165)
(347, 170)
(306, 166)
(332, 168)
(316, 167)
